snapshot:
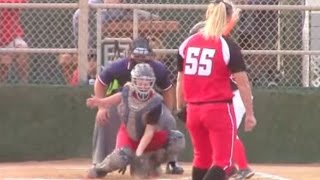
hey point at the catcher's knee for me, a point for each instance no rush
(176, 142)
(118, 159)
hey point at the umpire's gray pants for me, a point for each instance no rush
(104, 136)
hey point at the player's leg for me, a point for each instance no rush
(240, 157)
(202, 152)
(163, 147)
(117, 159)
(104, 136)
(22, 60)
(241, 160)
(172, 166)
(175, 145)
(222, 132)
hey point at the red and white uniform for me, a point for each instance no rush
(206, 65)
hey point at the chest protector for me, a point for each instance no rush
(133, 111)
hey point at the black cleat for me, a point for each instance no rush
(174, 169)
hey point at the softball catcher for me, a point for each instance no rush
(147, 128)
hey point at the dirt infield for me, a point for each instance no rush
(76, 169)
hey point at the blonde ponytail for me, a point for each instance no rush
(216, 19)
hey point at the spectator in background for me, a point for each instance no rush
(106, 14)
(91, 71)
(68, 62)
(11, 36)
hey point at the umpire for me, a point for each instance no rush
(110, 80)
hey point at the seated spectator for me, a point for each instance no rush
(107, 15)
(12, 36)
(68, 63)
(91, 71)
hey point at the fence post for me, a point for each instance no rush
(99, 40)
(83, 39)
(306, 47)
(135, 24)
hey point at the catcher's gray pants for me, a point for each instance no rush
(104, 137)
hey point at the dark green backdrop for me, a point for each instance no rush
(42, 123)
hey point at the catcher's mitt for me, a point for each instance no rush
(146, 166)
(182, 114)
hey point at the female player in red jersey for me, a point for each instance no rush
(208, 59)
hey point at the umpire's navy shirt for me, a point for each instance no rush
(120, 70)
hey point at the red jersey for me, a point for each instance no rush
(10, 25)
(206, 71)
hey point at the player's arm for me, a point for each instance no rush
(104, 79)
(150, 119)
(238, 69)
(101, 84)
(106, 102)
(179, 92)
(146, 139)
(163, 81)
(168, 97)
(100, 88)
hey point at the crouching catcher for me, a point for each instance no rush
(147, 136)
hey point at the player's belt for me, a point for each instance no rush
(212, 102)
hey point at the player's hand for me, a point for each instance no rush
(182, 114)
(102, 116)
(249, 123)
(93, 101)
(139, 153)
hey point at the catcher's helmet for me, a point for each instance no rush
(142, 79)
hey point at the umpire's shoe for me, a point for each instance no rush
(174, 168)
(94, 173)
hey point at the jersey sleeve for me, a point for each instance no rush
(154, 115)
(181, 55)
(179, 63)
(236, 62)
(106, 76)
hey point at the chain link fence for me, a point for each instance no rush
(274, 40)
